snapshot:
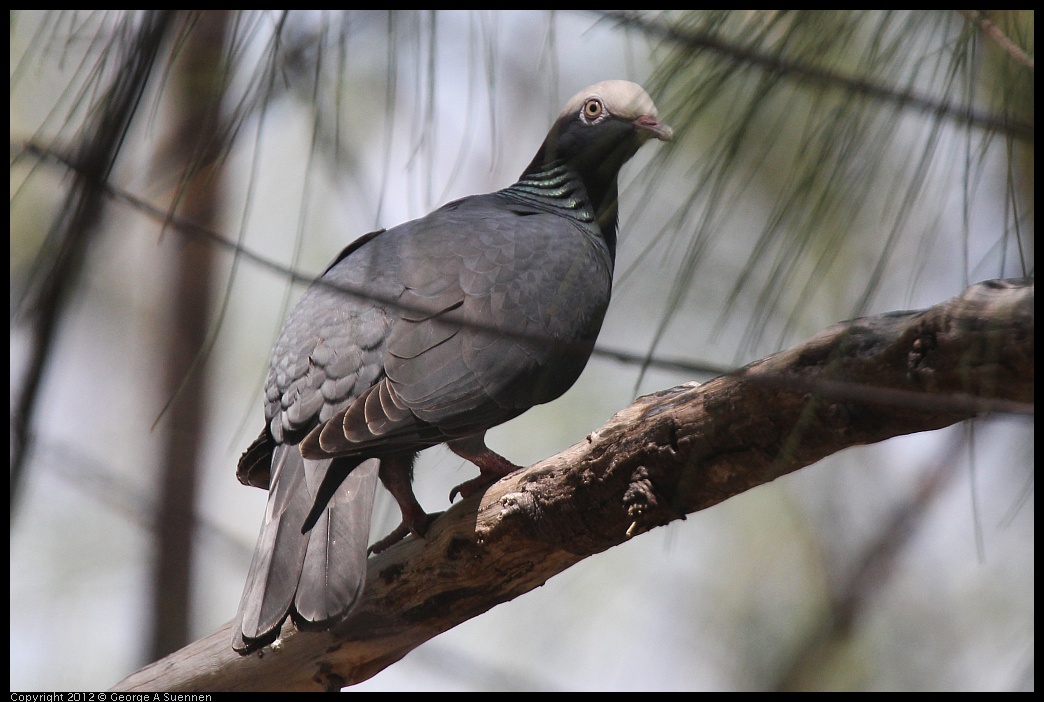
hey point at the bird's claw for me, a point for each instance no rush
(418, 527)
(476, 484)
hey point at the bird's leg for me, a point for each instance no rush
(396, 473)
(492, 466)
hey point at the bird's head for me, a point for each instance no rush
(598, 131)
(601, 127)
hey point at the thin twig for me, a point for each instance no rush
(823, 77)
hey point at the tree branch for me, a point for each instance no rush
(812, 74)
(667, 455)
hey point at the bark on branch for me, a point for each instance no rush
(667, 455)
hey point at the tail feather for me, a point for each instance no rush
(319, 572)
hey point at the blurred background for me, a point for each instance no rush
(177, 177)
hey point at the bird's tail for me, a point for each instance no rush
(316, 575)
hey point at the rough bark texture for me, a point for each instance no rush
(668, 454)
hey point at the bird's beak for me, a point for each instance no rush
(655, 127)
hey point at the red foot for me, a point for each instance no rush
(419, 528)
(476, 484)
(492, 466)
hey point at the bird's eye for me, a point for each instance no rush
(593, 109)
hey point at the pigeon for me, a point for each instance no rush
(430, 333)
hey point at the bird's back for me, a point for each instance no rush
(470, 315)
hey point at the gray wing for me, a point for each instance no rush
(498, 312)
(330, 350)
